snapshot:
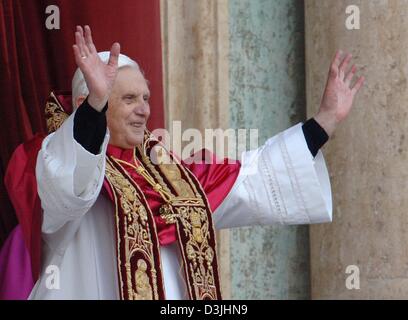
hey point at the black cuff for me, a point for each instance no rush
(90, 127)
(315, 136)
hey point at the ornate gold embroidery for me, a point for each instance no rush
(199, 252)
(193, 218)
(137, 238)
(146, 161)
(172, 172)
(55, 114)
(186, 207)
(143, 287)
(196, 224)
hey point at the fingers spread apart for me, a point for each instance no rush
(339, 68)
(357, 86)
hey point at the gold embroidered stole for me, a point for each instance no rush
(137, 244)
(139, 266)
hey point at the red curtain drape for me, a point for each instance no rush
(35, 60)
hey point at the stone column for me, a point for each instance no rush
(196, 80)
(367, 157)
(267, 92)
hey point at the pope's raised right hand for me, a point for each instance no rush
(98, 75)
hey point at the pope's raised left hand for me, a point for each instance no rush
(339, 93)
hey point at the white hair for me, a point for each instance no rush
(79, 87)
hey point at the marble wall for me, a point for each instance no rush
(367, 157)
(267, 92)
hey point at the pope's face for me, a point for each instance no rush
(128, 109)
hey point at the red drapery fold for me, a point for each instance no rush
(35, 60)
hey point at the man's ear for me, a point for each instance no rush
(79, 101)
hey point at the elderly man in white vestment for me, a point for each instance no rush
(80, 229)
